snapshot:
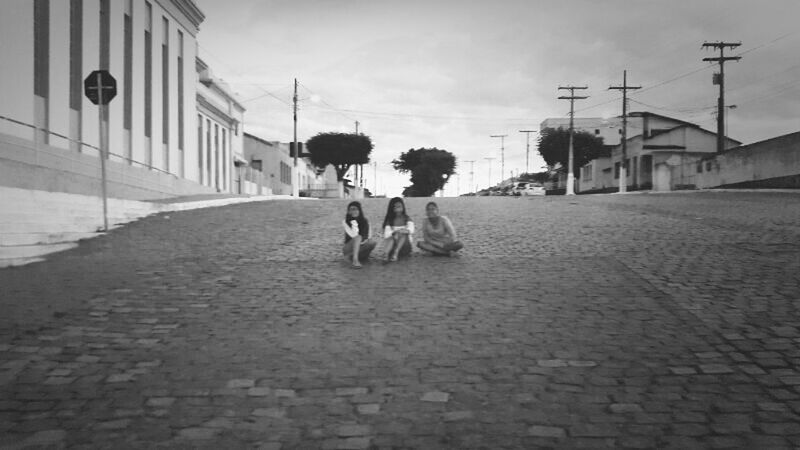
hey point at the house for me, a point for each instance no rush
(658, 140)
(271, 164)
(173, 129)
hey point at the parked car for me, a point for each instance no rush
(527, 188)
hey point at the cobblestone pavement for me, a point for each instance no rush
(617, 321)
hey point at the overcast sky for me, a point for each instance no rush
(450, 73)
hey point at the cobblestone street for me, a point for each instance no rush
(608, 321)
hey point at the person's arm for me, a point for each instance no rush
(410, 226)
(369, 231)
(426, 230)
(351, 231)
(450, 229)
(387, 231)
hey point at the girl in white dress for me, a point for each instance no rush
(398, 230)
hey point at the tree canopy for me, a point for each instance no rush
(554, 147)
(341, 150)
(430, 170)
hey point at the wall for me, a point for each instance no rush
(53, 169)
(753, 165)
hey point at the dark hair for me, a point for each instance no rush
(432, 203)
(390, 216)
(363, 224)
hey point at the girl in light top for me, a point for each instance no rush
(398, 230)
(438, 235)
(357, 245)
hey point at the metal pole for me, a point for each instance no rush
(103, 147)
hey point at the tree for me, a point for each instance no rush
(430, 169)
(554, 147)
(341, 150)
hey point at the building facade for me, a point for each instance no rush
(49, 130)
(658, 140)
(272, 164)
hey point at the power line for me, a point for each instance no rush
(719, 79)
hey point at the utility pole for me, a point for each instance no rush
(719, 78)
(570, 169)
(502, 154)
(623, 172)
(375, 177)
(527, 147)
(471, 174)
(295, 175)
(490, 170)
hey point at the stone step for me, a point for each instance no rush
(13, 255)
(17, 239)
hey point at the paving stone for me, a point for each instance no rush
(114, 424)
(275, 413)
(119, 378)
(198, 433)
(351, 391)
(160, 402)
(552, 363)
(715, 368)
(285, 393)
(546, 431)
(436, 396)
(620, 408)
(353, 430)
(258, 391)
(240, 383)
(452, 416)
(368, 408)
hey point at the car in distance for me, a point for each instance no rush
(527, 188)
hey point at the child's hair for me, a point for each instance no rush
(363, 224)
(390, 216)
(432, 204)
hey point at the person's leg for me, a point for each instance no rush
(400, 239)
(347, 250)
(454, 246)
(436, 250)
(356, 248)
(366, 249)
(405, 248)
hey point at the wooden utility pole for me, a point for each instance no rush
(502, 154)
(719, 78)
(527, 147)
(570, 169)
(623, 166)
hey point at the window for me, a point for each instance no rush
(257, 164)
(75, 54)
(208, 151)
(216, 156)
(700, 167)
(148, 75)
(41, 65)
(75, 72)
(708, 166)
(180, 91)
(165, 89)
(127, 77)
(616, 170)
(200, 146)
(224, 158)
(596, 131)
(587, 172)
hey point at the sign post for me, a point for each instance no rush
(100, 87)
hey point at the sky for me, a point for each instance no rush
(451, 73)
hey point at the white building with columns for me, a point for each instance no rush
(173, 128)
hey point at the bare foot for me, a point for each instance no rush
(356, 265)
(393, 258)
